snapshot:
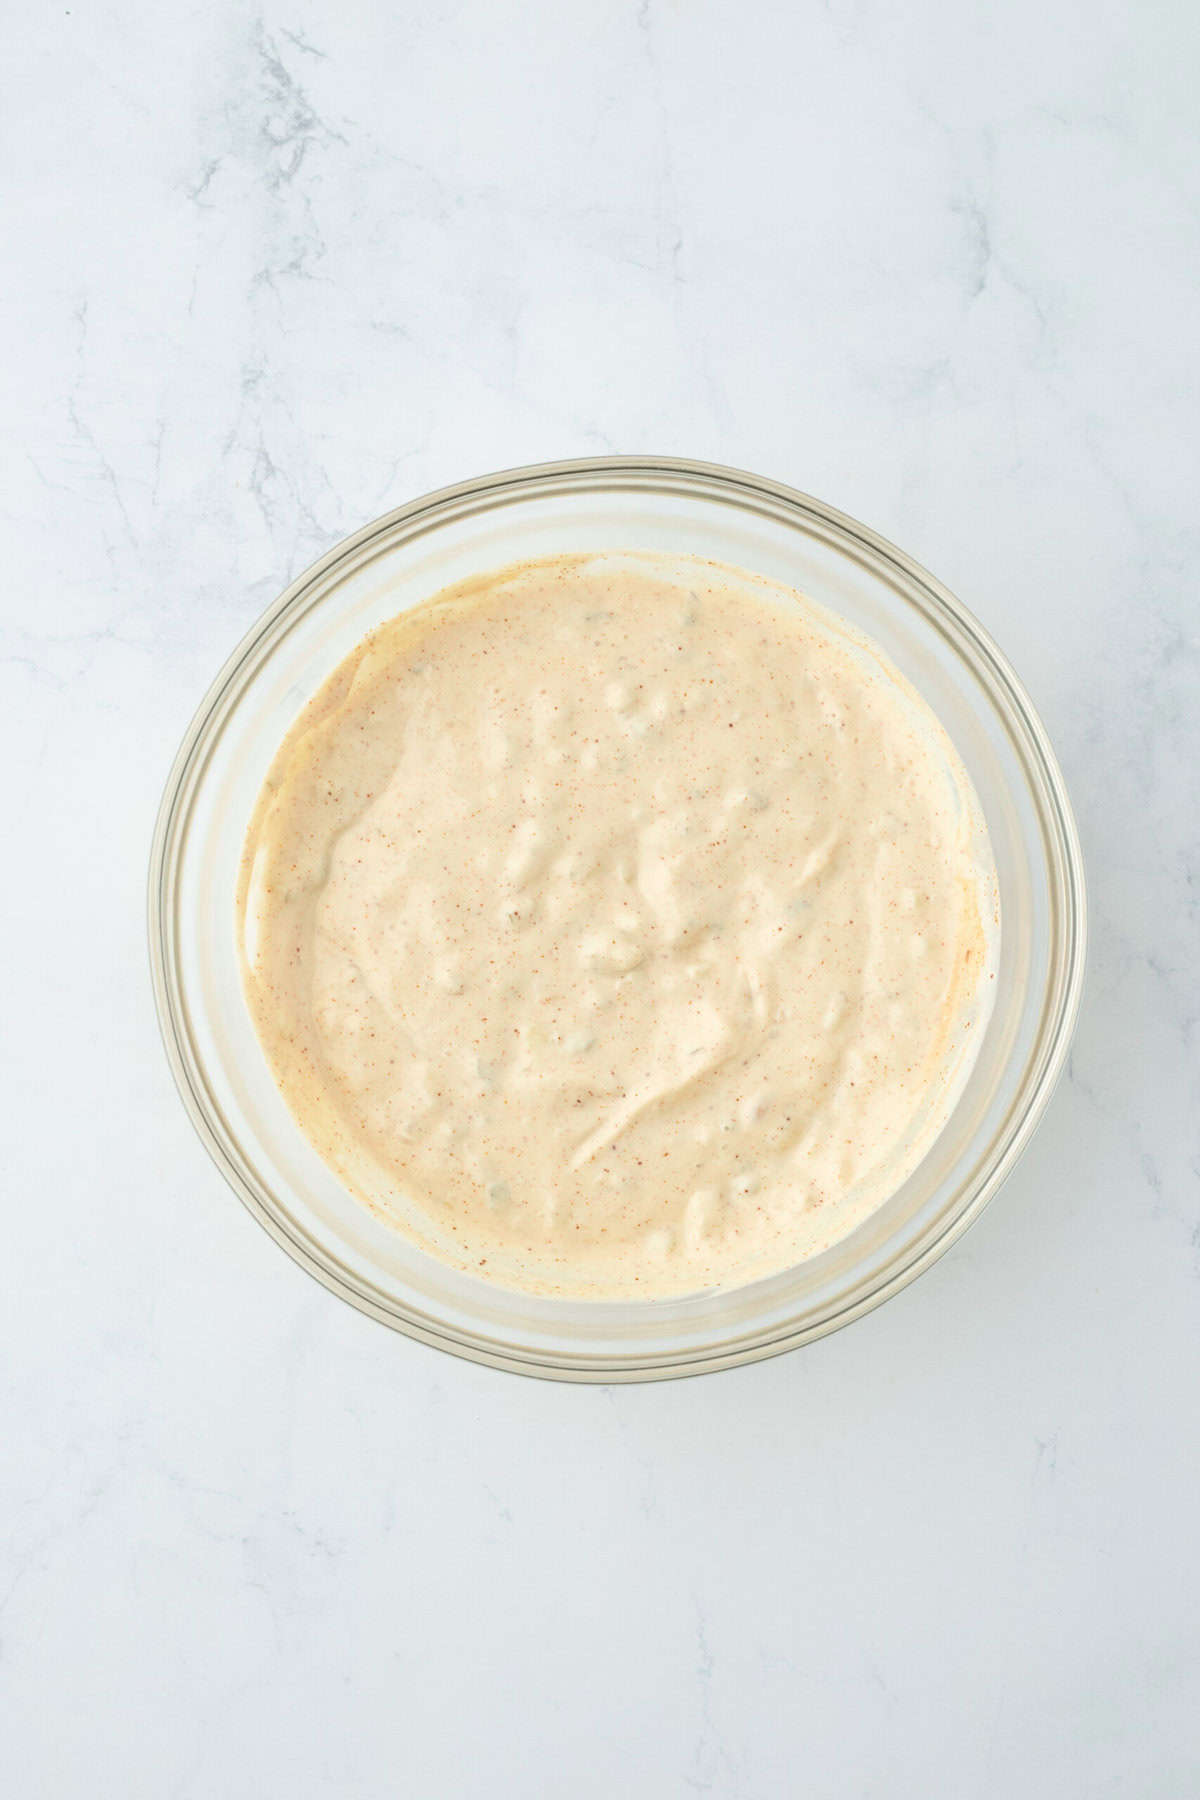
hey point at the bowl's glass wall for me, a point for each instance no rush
(621, 505)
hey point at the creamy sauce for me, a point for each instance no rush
(618, 926)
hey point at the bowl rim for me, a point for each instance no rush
(186, 773)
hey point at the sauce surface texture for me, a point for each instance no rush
(618, 928)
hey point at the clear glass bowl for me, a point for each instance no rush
(611, 503)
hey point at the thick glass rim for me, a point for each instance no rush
(706, 481)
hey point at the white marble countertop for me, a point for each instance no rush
(272, 272)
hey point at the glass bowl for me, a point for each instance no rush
(611, 503)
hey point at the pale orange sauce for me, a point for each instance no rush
(618, 928)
